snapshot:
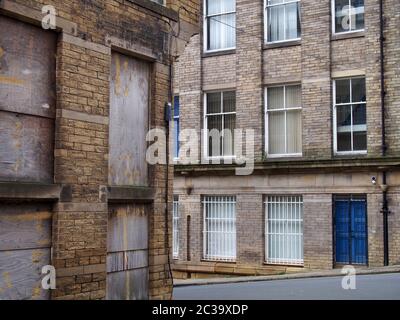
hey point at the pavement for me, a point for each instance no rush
(376, 286)
(302, 275)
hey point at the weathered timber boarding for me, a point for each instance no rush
(127, 256)
(70, 110)
(25, 241)
(26, 148)
(27, 101)
(129, 107)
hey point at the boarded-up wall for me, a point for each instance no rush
(25, 241)
(129, 107)
(127, 257)
(27, 101)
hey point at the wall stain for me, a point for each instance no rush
(7, 279)
(11, 80)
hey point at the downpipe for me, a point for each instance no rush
(385, 207)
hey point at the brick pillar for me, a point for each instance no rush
(374, 123)
(317, 231)
(81, 151)
(316, 79)
(249, 90)
(189, 87)
(375, 229)
(193, 207)
(160, 285)
(249, 229)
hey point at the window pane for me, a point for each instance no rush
(270, 2)
(359, 114)
(229, 134)
(343, 122)
(292, 21)
(275, 98)
(357, 14)
(214, 102)
(358, 90)
(360, 140)
(293, 97)
(220, 228)
(344, 141)
(343, 91)
(342, 18)
(359, 127)
(176, 138)
(284, 229)
(276, 23)
(229, 101)
(343, 116)
(294, 134)
(176, 106)
(214, 135)
(220, 6)
(276, 133)
(221, 32)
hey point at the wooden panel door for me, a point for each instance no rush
(25, 242)
(127, 256)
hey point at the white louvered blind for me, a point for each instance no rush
(219, 228)
(284, 230)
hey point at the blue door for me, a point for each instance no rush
(351, 230)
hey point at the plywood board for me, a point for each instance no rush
(129, 108)
(27, 68)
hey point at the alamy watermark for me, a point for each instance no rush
(349, 280)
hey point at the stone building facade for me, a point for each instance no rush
(337, 168)
(76, 192)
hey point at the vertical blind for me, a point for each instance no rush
(221, 24)
(175, 227)
(220, 123)
(284, 120)
(283, 20)
(284, 230)
(219, 228)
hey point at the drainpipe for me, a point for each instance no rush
(384, 187)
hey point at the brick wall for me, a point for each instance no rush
(248, 70)
(315, 62)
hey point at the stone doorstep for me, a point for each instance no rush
(302, 275)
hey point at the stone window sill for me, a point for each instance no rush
(35, 191)
(349, 35)
(282, 44)
(130, 194)
(218, 53)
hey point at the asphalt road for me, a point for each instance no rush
(370, 287)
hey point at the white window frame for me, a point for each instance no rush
(266, 112)
(175, 227)
(298, 202)
(223, 199)
(333, 18)
(205, 126)
(205, 26)
(266, 22)
(343, 153)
